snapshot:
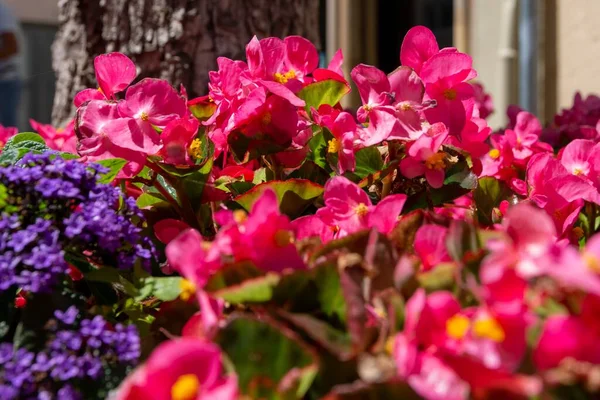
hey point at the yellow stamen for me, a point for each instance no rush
(457, 326)
(389, 345)
(404, 106)
(577, 171)
(283, 238)
(144, 116)
(436, 161)
(240, 216)
(333, 146)
(188, 289)
(578, 232)
(450, 94)
(488, 328)
(591, 261)
(266, 118)
(361, 210)
(187, 387)
(367, 108)
(494, 154)
(283, 78)
(195, 149)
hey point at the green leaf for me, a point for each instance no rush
(21, 144)
(256, 290)
(245, 148)
(147, 200)
(318, 150)
(270, 361)
(324, 92)
(329, 292)
(443, 276)
(294, 195)
(368, 161)
(163, 288)
(489, 194)
(429, 197)
(114, 277)
(114, 165)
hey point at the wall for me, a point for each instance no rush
(577, 49)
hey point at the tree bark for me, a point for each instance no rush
(177, 40)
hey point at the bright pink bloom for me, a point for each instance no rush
(185, 368)
(114, 72)
(168, 229)
(94, 122)
(530, 232)
(445, 76)
(484, 105)
(149, 104)
(343, 128)
(205, 324)
(267, 234)
(418, 46)
(399, 94)
(192, 258)
(425, 157)
(310, 226)
(430, 246)
(334, 69)
(177, 138)
(62, 139)
(6, 133)
(349, 208)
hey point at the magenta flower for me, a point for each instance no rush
(62, 139)
(425, 157)
(149, 105)
(344, 130)
(418, 46)
(180, 369)
(267, 234)
(430, 246)
(349, 208)
(179, 145)
(114, 73)
(6, 133)
(400, 94)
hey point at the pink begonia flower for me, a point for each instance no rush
(530, 232)
(62, 139)
(94, 121)
(168, 229)
(205, 323)
(272, 117)
(484, 104)
(418, 46)
(349, 208)
(177, 138)
(425, 157)
(311, 226)
(267, 234)
(399, 94)
(570, 336)
(333, 71)
(195, 260)
(430, 246)
(149, 104)
(344, 130)
(114, 73)
(498, 162)
(6, 133)
(184, 368)
(466, 349)
(445, 76)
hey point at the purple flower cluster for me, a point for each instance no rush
(53, 207)
(77, 354)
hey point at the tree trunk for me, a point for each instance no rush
(177, 40)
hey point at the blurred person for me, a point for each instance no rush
(10, 66)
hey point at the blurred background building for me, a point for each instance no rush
(534, 53)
